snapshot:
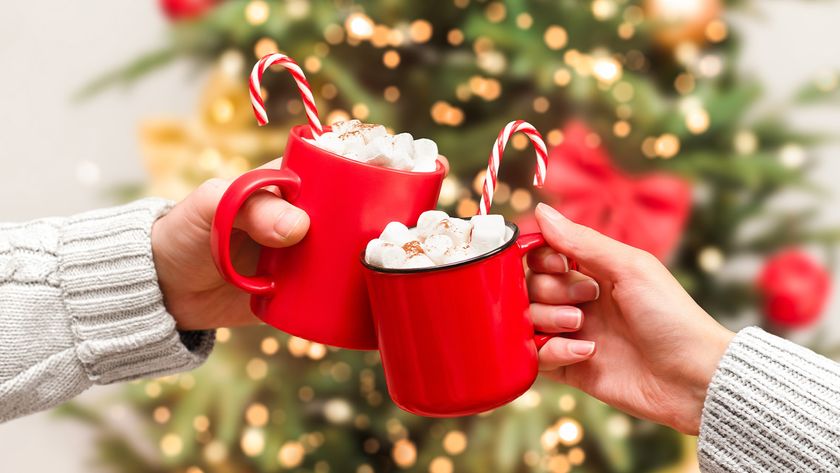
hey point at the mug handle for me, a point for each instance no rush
(232, 200)
(526, 243)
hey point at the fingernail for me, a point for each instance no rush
(586, 290)
(549, 211)
(581, 347)
(288, 221)
(557, 263)
(568, 317)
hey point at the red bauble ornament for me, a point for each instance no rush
(646, 211)
(795, 289)
(186, 9)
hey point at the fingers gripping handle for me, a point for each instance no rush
(229, 205)
(526, 243)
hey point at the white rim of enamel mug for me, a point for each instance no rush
(441, 267)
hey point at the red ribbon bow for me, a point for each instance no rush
(646, 211)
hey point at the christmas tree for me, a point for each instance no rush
(647, 119)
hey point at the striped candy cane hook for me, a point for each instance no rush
(303, 87)
(496, 156)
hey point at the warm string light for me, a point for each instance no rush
(441, 465)
(338, 411)
(792, 156)
(215, 452)
(495, 12)
(444, 113)
(404, 453)
(222, 335)
(257, 415)
(161, 414)
(745, 142)
(252, 442)
(530, 398)
(710, 259)
(603, 10)
(257, 12)
(359, 26)
(420, 31)
(555, 37)
(171, 445)
(524, 21)
(291, 454)
(256, 369)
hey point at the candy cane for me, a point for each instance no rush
(496, 156)
(303, 87)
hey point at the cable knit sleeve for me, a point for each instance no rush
(80, 305)
(772, 406)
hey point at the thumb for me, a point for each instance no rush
(594, 250)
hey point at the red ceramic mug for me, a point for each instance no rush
(457, 340)
(315, 289)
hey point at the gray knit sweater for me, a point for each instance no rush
(80, 305)
(772, 406)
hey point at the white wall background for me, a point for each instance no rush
(49, 49)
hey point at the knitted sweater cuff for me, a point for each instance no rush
(121, 327)
(771, 406)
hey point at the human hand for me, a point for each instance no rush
(656, 348)
(194, 292)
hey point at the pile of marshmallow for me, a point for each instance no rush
(372, 144)
(437, 240)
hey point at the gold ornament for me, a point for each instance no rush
(681, 21)
(221, 141)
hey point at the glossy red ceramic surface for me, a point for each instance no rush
(315, 289)
(457, 340)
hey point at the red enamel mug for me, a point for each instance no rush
(315, 289)
(457, 340)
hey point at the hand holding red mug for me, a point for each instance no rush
(194, 292)
(656, 348)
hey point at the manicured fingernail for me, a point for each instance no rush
(288, 221)
(586, 290)
(568, 317)
(581, 347)
(549, 211)
(557, 263)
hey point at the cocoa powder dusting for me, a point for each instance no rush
(413, 248)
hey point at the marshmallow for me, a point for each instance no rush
(397, 234)
(330, 142)
(425, 155)
(425, 148)
(372, 144)
(401, 161)
(418, 261)
(343, 127)
(374, 250)
(385, 254)
(393, 257)
(437, 240)
(438, 247)
(428, 220)
(371, 131)
(353, 141)
(456, 255)
(394, 150)
(404, 143)
(488, 232)
(456, 229)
